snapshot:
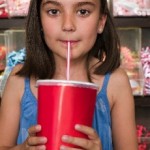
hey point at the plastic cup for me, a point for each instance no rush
(61, 105)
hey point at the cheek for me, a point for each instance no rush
(49, 30)
(49, 27)
(90, 29)
(91, 33)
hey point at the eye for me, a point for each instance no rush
(53, 12)
(83, 12)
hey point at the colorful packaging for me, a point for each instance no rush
(131, 7)
(2, 52)
(130, 39)
(18, 8)
(3, 9)
(145, 59)
(2, 57)
(143, 134)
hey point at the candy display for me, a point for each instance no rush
(131, 66)
(2, 57)
(18, 8)
(15, 43)
(131, 7)
(15, 39)
(130, 39)
(145, 37)
(143, 134)
(2, 52)
(13, 58)
(3, 9)
(145, 59)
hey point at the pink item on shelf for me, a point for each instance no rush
(2, 58)
(131, 7)
(143, 134)
(18, 8)
(145, 60)
(128, 61)
(147, 3)
(3, 9)
(131, 66)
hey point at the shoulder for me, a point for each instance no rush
(119, 86)
(14, 85)
(119, 77)
(16, 69)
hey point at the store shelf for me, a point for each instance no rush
(142, 22)
(142, 101)
(8, 23)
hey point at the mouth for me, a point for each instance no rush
(72, 42)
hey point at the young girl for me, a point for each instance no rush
(95, 58)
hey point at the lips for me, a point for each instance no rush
(72, 42)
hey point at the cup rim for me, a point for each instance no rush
(66, 83)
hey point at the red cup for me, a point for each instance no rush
(61, 105)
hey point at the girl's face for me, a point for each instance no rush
(77, 21)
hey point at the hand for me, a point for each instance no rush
(93, 143)
(34, 142)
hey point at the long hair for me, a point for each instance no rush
(40, 61)
(107, 45)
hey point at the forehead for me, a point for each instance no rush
(73, 3)
(70, 1)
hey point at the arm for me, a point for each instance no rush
(10, 112)
(122, 112)
(10, 115)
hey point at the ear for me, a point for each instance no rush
(101, 24)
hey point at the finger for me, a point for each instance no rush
(83, 143)
(39, 147)
(63, 147)
(34, 129)
(90, 132)
(33, 141)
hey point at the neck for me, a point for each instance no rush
(78, 71)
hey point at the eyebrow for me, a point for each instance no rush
(85, 3)
(80, 4)
(51, 2)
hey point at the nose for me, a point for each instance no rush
(68, 24)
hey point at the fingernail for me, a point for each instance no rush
(62, 147)
(42, 147)
(44, 139)
(65, 137)
(38, 127)
(77, 126)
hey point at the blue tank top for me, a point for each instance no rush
(101, 121)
